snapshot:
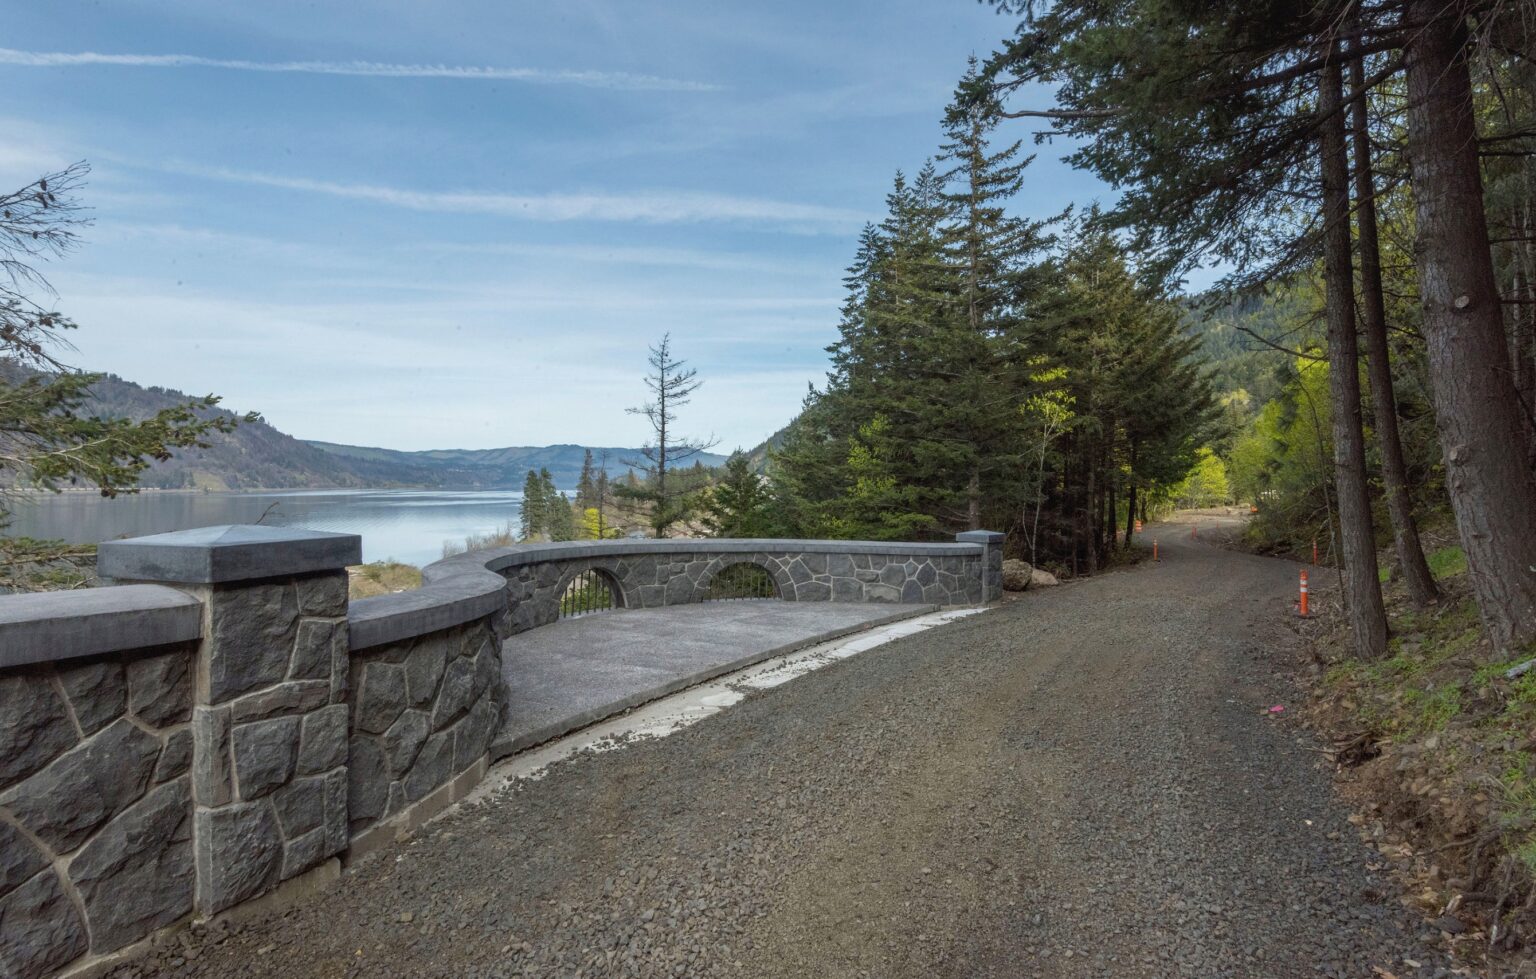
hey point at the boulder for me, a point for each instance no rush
(1016, 575)
(1042, 579)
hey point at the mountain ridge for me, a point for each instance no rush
(258, 456)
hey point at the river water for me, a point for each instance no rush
(405, 525)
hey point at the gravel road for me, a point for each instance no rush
(1083, 782)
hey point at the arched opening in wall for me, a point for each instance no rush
(740, 582)
(592, 590)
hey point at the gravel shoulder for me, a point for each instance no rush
(1084, 782)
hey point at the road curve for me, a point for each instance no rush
(1083, 782)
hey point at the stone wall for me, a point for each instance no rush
(95, 804)
(223, 721)
(270, 735)
(649, 580)
(425, 710)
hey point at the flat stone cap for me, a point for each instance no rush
(980, 537)
(238, 552)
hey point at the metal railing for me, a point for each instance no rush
(738, 582)
(588, 592)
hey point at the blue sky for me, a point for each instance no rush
(460, 224)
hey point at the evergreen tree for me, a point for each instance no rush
(740, 505)
(533, 521)
(586, 485)
(672, 385)
(48, 435)
(562, 521)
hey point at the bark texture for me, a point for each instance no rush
(1362, 587)
(1373, 321)
(1477, 412)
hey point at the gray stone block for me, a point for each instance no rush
(323, 595)
(926, 575)
(65, 803)
(434, 766)
(306, 851)
(136, 875)
(285, 699)
(323, 740)
(42, 930)
(265, 754)
(487, 666)
(46, 627)
(847, 590)
(473, 736)
(97, 690)
(397, 799)
(881, 593)
(335, 810)
(893, 575)
(367, 782)
(239, 853)
(175, 757)
(403, 741)
(679, 591)
(457, 694)
(911, 591)
(252, 635)
(241, 552)
(423, 670)
(380, 697)
(160, 687)
(652, 596)
(798, 572)
(341, 672)
(813, 591)
(212, 778)
(313, 654)
(19, 858)
(840, 565)
(34, 724)
(300, 806)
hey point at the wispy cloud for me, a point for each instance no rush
(544, 76)
(650, 207)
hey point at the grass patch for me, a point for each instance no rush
(1447, 562)
(381, 578)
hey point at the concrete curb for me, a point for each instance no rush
(501, 749)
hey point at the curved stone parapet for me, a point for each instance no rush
(223, 723)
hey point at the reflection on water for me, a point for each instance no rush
(406, 525)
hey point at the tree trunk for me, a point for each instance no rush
(1373, 308)
(1090, 515)
(1476, 410)
(973, 501)
(1367, 615)
(1130, 498)
(1112, 531)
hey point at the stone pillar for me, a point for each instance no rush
(991, 561)
(269, 716)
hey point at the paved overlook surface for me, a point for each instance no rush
(1079, 783)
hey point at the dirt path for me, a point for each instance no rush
(1081, 783)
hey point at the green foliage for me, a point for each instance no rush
(595, 527)
(1447, 562)
(1206, 485)
(979, 382)
(49, 436)
(382, 578)
(740, 504)
(546, 512)
(668, 496)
